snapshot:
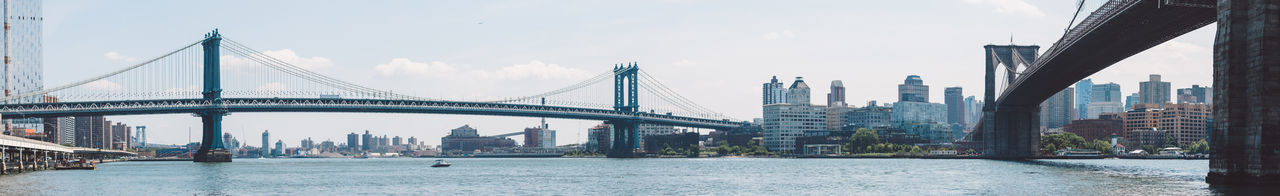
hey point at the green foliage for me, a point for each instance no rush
(1055, 142)
(1169, 141)
(862, 141)
(1199, 147)
(1149, 148)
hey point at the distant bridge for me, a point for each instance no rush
(191, 80)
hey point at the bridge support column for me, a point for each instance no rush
(1245, 140)
(624, 139)
(211, 147)
(1013, 132)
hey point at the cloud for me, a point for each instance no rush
(403, 67)
(778, 35)
(1010, 7)
(539, 70)
(104, 85)
(406, 67)
(274, 86)
(116, 56)
(284, 55)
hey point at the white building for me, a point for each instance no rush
(784, 122)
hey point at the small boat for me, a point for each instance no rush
(441, 163)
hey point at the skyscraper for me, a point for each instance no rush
(913, 89)
(353, 142)
(140, 135)
(1154, 91)
(93, 132)
(1105, 99)
(774, 92)
(367, 140)
(1196, 94)
(1130, 100)
(24, 57)
(1057, 111)
(266, 144)
(784, 122)
(798, 94)
(954, 98)
(1084, 95)
(836, 97)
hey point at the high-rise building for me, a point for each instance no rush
(279, 151)
(836, 97)
(93, 132)
(1154, 91)
(973, 110)
(1185, 122)
(353, 142)
(367, 140)
(24, 57)
(1109, 92)
(67, 131)
(798, 94)
(599, 138)
(227, 139)
(774, 92)
(140, 136)
(538, 137)
(121, 136)
(1057, 110)
(396, 141)
(1196, 94)
(913, 89)
(954, 98)
(1130, 100)
(266, 144)
(1105, 98)
(784, 122)
(1084, 92)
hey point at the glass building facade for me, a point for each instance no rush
(24, 64)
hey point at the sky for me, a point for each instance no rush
(716, 53)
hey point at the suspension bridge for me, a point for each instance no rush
(198, 78)
(1245, 146)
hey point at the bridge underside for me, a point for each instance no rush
(1145, 24)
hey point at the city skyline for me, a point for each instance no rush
(802, 44)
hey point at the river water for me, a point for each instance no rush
(600, 176)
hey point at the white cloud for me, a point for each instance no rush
(116, 56)
(1010, 7)
(104, 85)
(778, 35)
(274, 86)
(539, 70)
(406, 67)
(533, 70)
(284, 55)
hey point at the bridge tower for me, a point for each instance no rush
(1245, 140)
(211, 147)
(625, 99)
(1009, 131)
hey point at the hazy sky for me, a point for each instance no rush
(716, 53)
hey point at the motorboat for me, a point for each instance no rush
(441, 163)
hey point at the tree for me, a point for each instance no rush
(1199, 147)
(861, 139)
(1169, 141)
(1149, 148)
(1055, 142)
